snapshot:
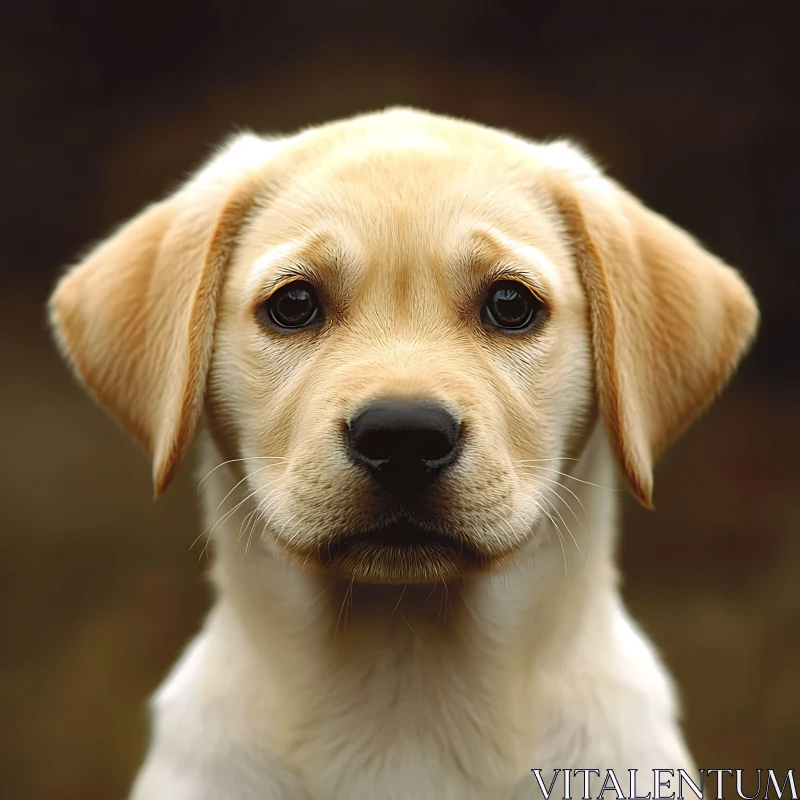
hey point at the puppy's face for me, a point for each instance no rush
(402, 325)
(404, 341)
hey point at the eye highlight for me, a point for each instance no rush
(293, 305)
(511, 305)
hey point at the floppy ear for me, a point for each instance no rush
(669, 321)
(136, 318)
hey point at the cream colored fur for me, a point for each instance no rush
(306, 685)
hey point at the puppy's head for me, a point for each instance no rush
(411, 322)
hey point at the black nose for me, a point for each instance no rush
(404, 443)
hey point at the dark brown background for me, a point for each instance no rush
(107, 104)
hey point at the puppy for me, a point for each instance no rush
(421, 350)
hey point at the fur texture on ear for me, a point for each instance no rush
(669, 321)
(135, 318)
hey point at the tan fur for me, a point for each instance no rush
(401, 220)
(669, 321)
(136, 317)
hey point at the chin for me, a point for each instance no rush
(398, 553)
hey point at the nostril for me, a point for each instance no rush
(376, 445)
(393, 435)
(432, 445)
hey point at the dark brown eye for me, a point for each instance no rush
(294, 305)
(511, 305)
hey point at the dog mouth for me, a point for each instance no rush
(400, 552)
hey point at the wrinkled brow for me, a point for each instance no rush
(321, 258)
(486, 255)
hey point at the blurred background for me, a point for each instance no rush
(694, 107)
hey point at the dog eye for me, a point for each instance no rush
(294, 305)
(511, 305)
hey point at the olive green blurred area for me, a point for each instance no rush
(107, 106)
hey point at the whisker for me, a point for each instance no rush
(246, 477)
(572, 477)
(197, 539)
(283, 527)
(280, 506)
(409, 625)
(233, 461)
(294, 532)
(554, 458)
(399, 599)
(552, 505)
(341, 609)
(561, 485)
(250, 520)
(204, 551)
(514, 534)
(525, 523)
(444, 604)
(261, 509)
(228, 514)
(560, 536)
(430, 594)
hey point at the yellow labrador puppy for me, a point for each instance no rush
(418, 347)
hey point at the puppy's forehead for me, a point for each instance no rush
(416, 204)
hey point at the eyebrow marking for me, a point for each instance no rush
(263, 272)
(321, 258)
(299, 256)
(507, 258)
